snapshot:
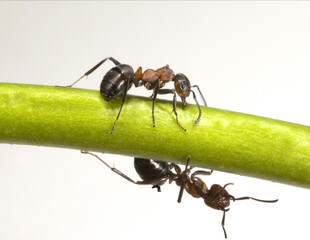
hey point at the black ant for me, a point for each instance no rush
(156, 173)
(118, 80)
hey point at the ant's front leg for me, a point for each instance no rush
(127, 81)
(92, 70)
(201, 172)
(167, 91)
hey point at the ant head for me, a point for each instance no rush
(218, 198)
(182, 86)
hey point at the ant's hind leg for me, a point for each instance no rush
(123, 101)
(112, 168)
(145, 182)
(92, 70)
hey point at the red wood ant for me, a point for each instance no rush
(118, 80)
(156, 173)
(216, 197)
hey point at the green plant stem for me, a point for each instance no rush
(222, 140)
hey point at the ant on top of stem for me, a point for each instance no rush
(118, 80)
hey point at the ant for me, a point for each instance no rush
(216, 197)
(118, 80)
(156, 173)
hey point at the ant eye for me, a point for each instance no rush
(183, 85)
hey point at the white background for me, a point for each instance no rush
(250, 57)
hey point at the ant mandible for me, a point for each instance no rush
(156, 173)
(118, 80)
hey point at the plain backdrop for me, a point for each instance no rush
(250, 57)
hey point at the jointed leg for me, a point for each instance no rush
(223, 222)
(121, 107)
(112, 168)
(93, 69)
(145, 182)
(175, 110)
(165, 91)
(154, 98)
(201, 172)
(184, 174)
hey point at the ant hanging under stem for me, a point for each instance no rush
(216, 197)
(156, 173)
(118, 80)
(153, 172)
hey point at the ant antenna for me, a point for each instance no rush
(203, 99)
(258, 200)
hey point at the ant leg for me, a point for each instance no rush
(175, 110)
(112, 168)
(201, 172)
(123, 101)
(156, 88)
(145, 182)
(165, 91)
(92, 69)
(203, 99)
(223, 222)
(184, 176)
(194, 96)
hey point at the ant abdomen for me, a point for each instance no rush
(150, 170)
(113, 85)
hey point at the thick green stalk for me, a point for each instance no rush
(221, 140)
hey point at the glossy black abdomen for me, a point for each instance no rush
(149, 169)
(113, 83)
